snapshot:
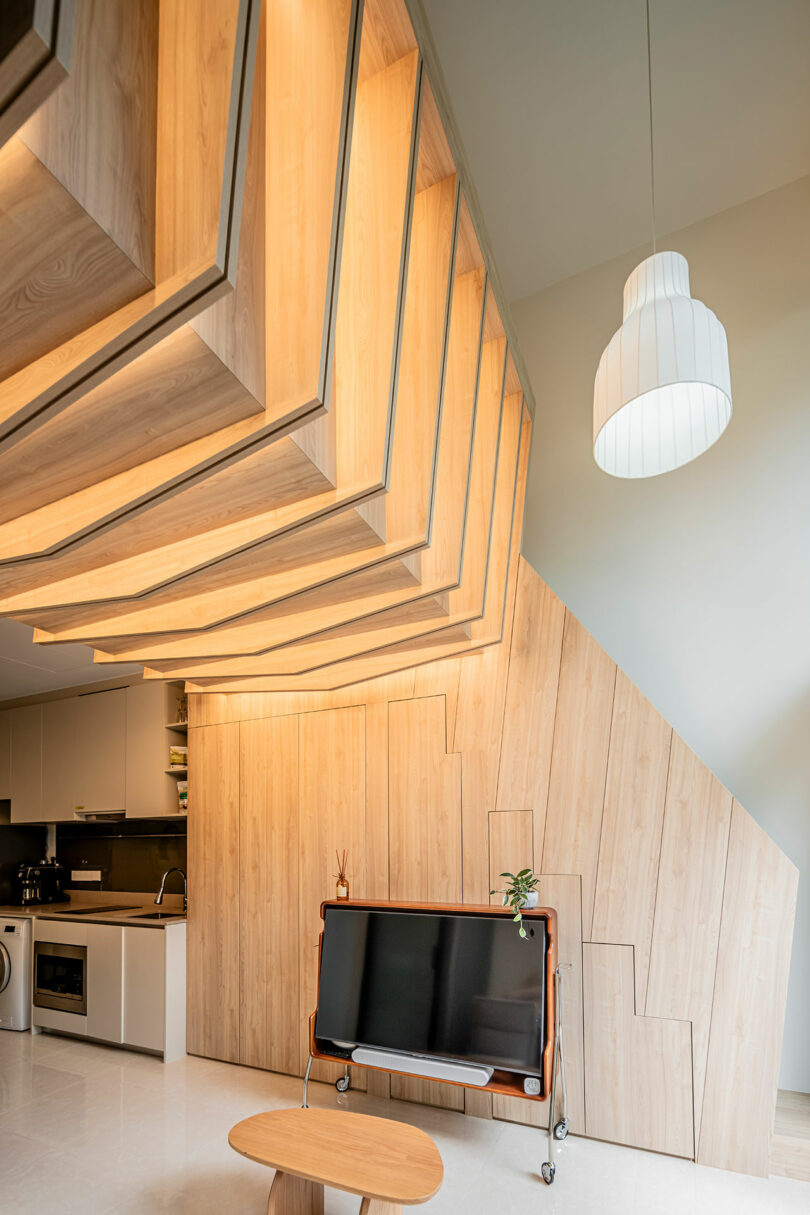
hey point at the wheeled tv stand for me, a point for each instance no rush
(500, 1082)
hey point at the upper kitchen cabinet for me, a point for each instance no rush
(84, 744)
(151, 709)
(90, 753)
(5, 756)
(26, 764)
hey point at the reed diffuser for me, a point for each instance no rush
(342, 887)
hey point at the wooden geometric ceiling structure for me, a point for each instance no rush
(260, 424)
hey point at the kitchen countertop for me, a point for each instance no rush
(56, 911)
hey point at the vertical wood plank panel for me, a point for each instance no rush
(579, 763)
(638, 1070)
(212, 1016)
(425, 836)
(690, 895)
(531, 701)
(563, 892)
(268, 894)
(745, 1040)
(511, 847)
(332, 798)
(629, 849)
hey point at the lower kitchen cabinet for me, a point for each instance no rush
(135, 985)
(155, 989)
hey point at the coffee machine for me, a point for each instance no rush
(41, 883)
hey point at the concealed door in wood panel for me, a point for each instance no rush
(531, 700)
(268, 894)
(745, 1041)
(424, 811)
(691, 873)
(563, 892)
(579, 761)
(213, 892)
(638, 1070)
(332, 800)
(627, 874)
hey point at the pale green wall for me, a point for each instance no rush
(697, 583)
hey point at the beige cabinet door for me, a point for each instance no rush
(145, 987)
(5, 756)
(61, 756)
(26, 765)
(149, 791)
(105, 981)
(101, 725)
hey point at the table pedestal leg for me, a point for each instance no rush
(374, 1206)
(293, 1196)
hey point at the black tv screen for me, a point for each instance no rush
(462, 987)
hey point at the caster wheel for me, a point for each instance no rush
(547, 1172)
(343, 1084)
(561, 1129)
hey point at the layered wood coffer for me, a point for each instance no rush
(260, 418)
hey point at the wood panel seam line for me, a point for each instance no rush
(601, 824)
(339, 203)
(658, 883)
(714, 983)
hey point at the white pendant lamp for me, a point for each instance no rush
(662, 394)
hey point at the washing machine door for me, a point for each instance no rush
(5, 968)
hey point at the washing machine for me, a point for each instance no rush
(15, 973)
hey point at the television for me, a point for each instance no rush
(434, 984)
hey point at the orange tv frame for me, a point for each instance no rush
(502, 1081)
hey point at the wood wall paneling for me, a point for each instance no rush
(630, 842)
(638, 1087)
(213, 893)
(691, 875)
(269, 848)
(579, 763)
(750, 989)
(332, 813)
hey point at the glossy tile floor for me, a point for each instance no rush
(89, 1129)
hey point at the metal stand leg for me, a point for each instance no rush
(304, 1103)
(557, 1129)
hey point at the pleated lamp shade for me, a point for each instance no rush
(662, 394)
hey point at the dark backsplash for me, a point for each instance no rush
(24, 845)
(132, 855)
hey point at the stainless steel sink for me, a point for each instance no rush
(98, 910)
(155, 915)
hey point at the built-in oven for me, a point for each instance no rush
(60, 976)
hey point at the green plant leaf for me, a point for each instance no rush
(522, 931)
(516, 918)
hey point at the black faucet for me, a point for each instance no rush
(159, 895)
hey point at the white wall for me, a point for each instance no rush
(698, 582)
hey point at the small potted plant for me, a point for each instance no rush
(519, 892)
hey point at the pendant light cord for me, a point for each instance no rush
(652, 151)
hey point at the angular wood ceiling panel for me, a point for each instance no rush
(289, 442)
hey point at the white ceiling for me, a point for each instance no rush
(27, 669)
(550, 97)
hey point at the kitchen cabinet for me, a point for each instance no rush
(149, 790)
(5, 756)
(94, 752)
(84, 753)
(136, 985)
(155, 989)
(25, 785)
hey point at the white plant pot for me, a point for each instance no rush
(531, 899)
